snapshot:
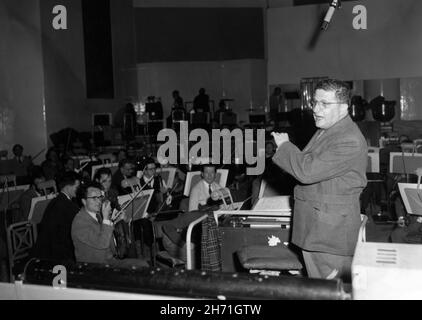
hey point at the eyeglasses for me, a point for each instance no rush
(324, 104)
(101, 198)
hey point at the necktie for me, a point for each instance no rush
(209, 189)
(99, 218)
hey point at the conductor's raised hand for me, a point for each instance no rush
(280, 138)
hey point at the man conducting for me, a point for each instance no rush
(331, 174)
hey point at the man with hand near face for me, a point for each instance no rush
(92, 231)
(331, 170)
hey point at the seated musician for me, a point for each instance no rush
(103, 177)
(200, 194)
(93, 231)
(36, 178)
(126, 171)
(54, 240)
(150, 180)
(174, 231)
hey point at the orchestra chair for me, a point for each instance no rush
(48, 187)
(38, 206)
(8, 180)
(21, 238)
(106, 158)
(114, 166)
(168, 175)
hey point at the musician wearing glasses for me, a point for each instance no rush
(331, 174)
(92, 231)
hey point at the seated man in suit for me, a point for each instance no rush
(54, 239)
(200, 194)
(151, 180)
(103, 177)
(92, 231)
(34, 191)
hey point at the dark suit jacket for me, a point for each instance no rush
(157, 197)
(93, 241)
(116, 181)
(332, 170)
(54, 238)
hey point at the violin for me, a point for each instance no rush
(123, 235)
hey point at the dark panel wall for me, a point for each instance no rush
(21, 77)
(198, 34)
(98, 48)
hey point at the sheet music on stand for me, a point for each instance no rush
(412, 198)
(279, 204)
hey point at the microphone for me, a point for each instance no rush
(333, 6)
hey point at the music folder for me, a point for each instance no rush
(412, 198)
(278, 205)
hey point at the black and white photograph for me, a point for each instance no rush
(207, 155)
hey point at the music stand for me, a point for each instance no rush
(221, 177)
(138, 208)
(38, 206)
(405, 162)
(192, 178)
(412, 198)
(168, 175)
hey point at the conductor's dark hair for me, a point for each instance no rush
(341, 89)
